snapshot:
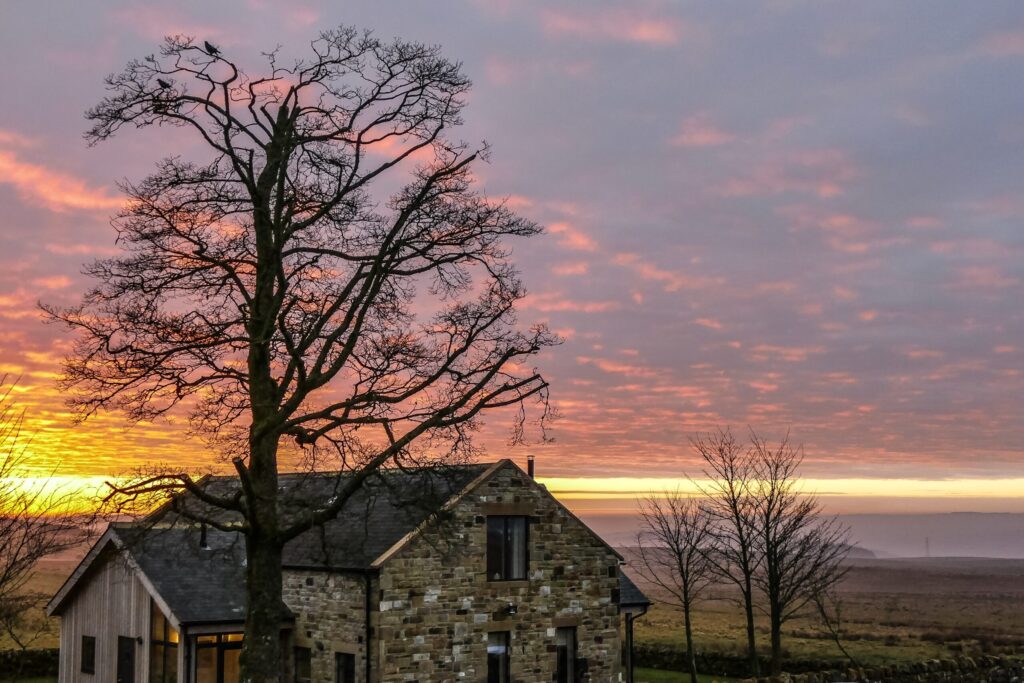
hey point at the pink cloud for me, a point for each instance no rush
(617, 367)
(709, 323)
(790, 354)
(700, 131)
(80, 249)
(53, 282)
(573, 238)
(551, 302)
(154, 22)
(1008, 43)
(763, 387)
(52, 189)
(571, 268)
(824, 173)
(984, 277)
(670, 280)
(619, 25)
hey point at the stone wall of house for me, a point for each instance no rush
(436, 605)
(329, 618)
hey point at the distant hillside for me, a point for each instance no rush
(956, 534)
(857, 552)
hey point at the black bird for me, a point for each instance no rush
(163, 84)
(212, 49)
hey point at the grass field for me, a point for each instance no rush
(896, 611)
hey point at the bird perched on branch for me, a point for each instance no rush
(210, 48)
(163, 84)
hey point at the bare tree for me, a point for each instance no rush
(735, 555)
(35, 523)
(829, 606)
(323, 284)
(673, 547)
(802, 550)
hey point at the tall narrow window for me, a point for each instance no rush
(498, 657)
(507, 542)
(565, 651)
(303, 665)
(344, 667)
(163, 648)
(88, 655)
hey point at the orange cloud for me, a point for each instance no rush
(700, 131)
(52, 189)
(620, 25)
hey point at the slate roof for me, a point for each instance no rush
(199, 585)
(629, 594)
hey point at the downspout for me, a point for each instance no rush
(630, 616)
(366, 613)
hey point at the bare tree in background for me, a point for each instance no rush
(730, 472)
(829, 606)
(802, 551)
(34, 524)
(324, 282)
(673, 547)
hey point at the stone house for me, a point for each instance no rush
(474, 573)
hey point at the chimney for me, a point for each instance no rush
(530, 468)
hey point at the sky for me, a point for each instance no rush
(787, 215)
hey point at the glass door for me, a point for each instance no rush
(217, 658)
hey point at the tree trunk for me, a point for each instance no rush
(776, 619)
(691, 657)
(748, 606)
(261, 649)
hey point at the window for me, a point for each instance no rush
(506, 548)
(303, 665)
(498, 657)
(88, 654)
(344, 667)
(163, 648)
(565, 652)
(217, 658)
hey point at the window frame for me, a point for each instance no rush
(506, 657)
(506, 559)
(308, 653)
(168, 647)
(349, 659)
(84, 666)
(571, 657)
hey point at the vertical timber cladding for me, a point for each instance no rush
(436, 606)
(111, 604)
(329, 613)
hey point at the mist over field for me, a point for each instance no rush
(954, 534)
